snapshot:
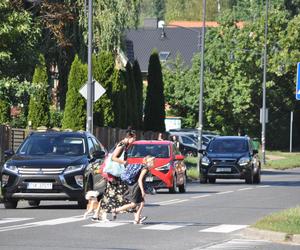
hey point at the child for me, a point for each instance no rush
(136, 192)
(93, 200)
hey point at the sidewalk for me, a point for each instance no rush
(279, 237)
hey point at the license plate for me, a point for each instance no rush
(149, 178)
(38, 185)
(223, 169)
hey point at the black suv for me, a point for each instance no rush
(52, 166)
(230, 157)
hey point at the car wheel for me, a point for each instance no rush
(212, 180)
(82, 202)
(257, 177)
(182, 188)
(10, 204)
(34, 203)
(173, 188)
(249, 177)
(203, 179)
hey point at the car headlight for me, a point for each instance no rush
(243, 161)
(11, 168)
(205, 161)
(75, 168)
(164, 167)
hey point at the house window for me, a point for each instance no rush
(163, 56)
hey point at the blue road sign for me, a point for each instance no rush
(298, 82)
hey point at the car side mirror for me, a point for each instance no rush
(98, 154)
(202, 151)
(179, 157)
(8, 153)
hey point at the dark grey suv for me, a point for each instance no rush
(230, 157)
(52, 166)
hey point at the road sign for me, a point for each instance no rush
(298, 82)
(98, 90)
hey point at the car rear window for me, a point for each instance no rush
(142, 150)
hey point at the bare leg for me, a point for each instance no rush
(137, 215)
(97, 211)
(125, 207)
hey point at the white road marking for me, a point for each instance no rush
(225, 192)
(166, 227)
(243, 189)
(43, 223)
(224, 228)
(163, 203)
(107, 224)
(235, 244)
(200, 196)
(10, 220)
(264, 186)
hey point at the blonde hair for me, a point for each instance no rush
(147, 159)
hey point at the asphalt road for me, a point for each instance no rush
(207, 216)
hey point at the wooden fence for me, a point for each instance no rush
(11, 138)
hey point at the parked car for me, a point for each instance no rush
(188, 142)
(169, 170)
(228, 157)
(52, 166)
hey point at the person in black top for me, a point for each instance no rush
(136, 192)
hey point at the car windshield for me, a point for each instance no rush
(142, 150)
(227, 146)
(53, 144)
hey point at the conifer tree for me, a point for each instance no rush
(155, 99)
(39, 112)
(139, 92)
(131, 97)
(104, 71)
(75, 109)
(4, 111)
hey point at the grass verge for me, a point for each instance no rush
(281, 160)
(287, 221)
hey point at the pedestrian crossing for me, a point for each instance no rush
(10, 224)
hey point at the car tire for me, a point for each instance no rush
(82, 202)
(172, 190)
(34, 203)
(211, 180)
(249, 177)
(182, 188)
(257, 177)
(10, 204)
(203, 179)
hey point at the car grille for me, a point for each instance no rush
(40, 171)
(219, 164)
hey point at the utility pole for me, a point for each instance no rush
(90, 85)
(201, 85)
(263, 133)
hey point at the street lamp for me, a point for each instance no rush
(200, 129)
(263, 133)
(90, 87)
(201, 44)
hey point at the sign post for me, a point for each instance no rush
(298, 82)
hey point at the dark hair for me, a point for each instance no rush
(130, 133)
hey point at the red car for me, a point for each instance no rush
(169, 169)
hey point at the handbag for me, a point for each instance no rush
(114, 168)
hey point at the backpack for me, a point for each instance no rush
(130, 175)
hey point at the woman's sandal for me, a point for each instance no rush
(114, 214)
(140, 221)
